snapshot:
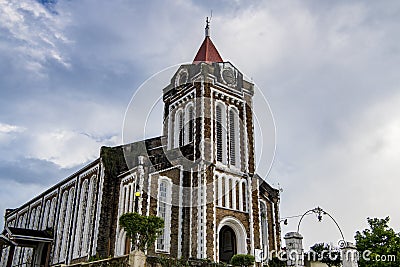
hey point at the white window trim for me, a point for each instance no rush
(219, 189)
(167, 220)
(60, 226)
(186, 122)
(46, 213)
(176, 127)
(224, 133)
(227, 185)
(67, 225)
(264, 243)
(170, 129)
(129, 184)
(89, 216)
(81, 220)
(237, 137)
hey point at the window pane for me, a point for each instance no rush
(219, 132)
(232, 137)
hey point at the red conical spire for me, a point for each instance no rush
(207, 52)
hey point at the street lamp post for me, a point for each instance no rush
(294, 243)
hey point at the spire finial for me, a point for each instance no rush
(208, 20)
(207, 27)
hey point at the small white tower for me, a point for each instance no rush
(294, 249)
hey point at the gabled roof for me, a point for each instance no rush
(22, 232)
(207, 52)
(24, 237)
(6, 241)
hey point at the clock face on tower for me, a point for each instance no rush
(229, 76)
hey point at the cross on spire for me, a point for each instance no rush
(208, 26)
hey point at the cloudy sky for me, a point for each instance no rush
(329, 69)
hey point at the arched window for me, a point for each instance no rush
(4, 256)
(121, 243)
(162, 208)
(218, 118)
(87, 231)
(179, 132)
(20, 219)
(220, 132)
(189, 123)
(60, 228)
(17, 255)
(234, 137)
(37, 218)
(264, 227)
(94, 191)
(52, 212)
(234, 196)
(25, 219)
(230, 188)
(171, 130)
(126, 198)
(220, 191)
(67, 225)
(32, 219)
(164, 211)
(46, 218)
(244, 195)
(81, 219)
(227, 192)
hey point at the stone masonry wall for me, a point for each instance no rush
(114, 163)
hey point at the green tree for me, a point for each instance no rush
(380, 243)
(242, 260)
(326, 254)
(142, 230)
(276, 262)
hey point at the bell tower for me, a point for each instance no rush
(208, 119)
(208, 108)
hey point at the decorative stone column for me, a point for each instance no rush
(294, 249)
(137, 259)
(349, 255)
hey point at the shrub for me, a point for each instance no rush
(242, 260)
(96, 257)
(142, 230)
(276, 262)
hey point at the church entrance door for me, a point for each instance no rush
(227, 244)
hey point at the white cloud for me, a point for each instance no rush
(9, 133)
(9, 198)
(36, 34)
(8, 128)
(66, 148)
(353, 178)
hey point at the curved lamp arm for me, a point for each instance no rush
(320, 212)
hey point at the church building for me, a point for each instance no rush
(199, 176)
